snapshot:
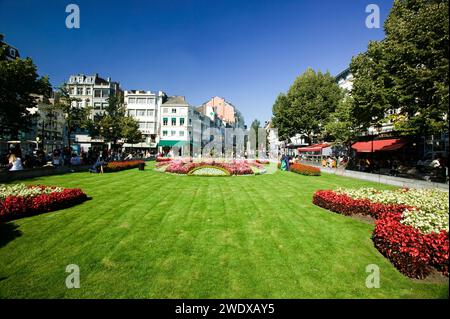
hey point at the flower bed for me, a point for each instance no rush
(208, 170)
(20, 200)
(262, 161)
(303, 169)
(407, 230)
(184, 167)
(163, 159)
(120, 166)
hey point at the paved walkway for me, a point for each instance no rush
(384, 179)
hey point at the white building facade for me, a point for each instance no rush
(175, 126)
(145, 107)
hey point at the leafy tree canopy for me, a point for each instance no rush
(19, 81)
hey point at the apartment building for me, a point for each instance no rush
(145, 106)
(48, 125)
(175, 128)
(93, 91)
(218, 107)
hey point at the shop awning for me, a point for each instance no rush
(314, 148)
(171, 143)
(379, 145)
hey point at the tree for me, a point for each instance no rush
(307, 106)
(256, 124)
(76, 116)
(342, 126)
(19, 81)
(406, 74)
(114, 124)
(130, 130)
(280, 119)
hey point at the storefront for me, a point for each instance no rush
(316, 152)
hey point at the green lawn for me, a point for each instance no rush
(155, 235)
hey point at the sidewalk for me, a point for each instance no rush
(383, 179)
(8, 176)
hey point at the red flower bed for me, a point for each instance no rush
(411, 252)
(163, 159)
(303, 169)
(345, 205)
(120, 166)
(408, 249)
(18, 206)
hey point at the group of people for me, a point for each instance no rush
(334, 162)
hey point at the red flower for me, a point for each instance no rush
(412, 252)
(17, 206)
(120, 166)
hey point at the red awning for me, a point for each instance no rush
(379, 145)
(314, 148)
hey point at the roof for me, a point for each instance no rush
(343, 74)
(314, 148)
(176, 100)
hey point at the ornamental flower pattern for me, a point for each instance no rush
(405, 243)
(21, 200)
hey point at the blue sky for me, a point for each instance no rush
(247, 51)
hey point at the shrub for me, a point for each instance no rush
(411, 250)
(49, 199)
(208, 170)
(120, 166)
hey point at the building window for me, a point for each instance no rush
(79, 91)
(104, 106)
(164, 133)
(105, 92)
(140, 112)
(132, 112)
(150, 112)
(165, 110)
(174, 111)
(131, 100)
(181, 120)
(174, 121)
(97, 93)
(88, 91)
(140, 101)
(165, 120)
(150, 101)
(173, 133)
(97, 106)
(181, 133)
(142, 125)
